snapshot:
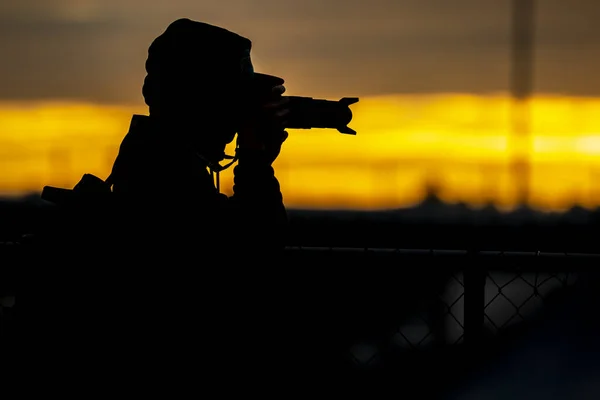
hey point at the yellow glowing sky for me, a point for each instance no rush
(460, 143)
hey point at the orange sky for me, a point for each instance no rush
(92, 52)
(459, 142)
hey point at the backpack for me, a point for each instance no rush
(82, 214)
(89, 190)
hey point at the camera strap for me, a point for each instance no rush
(216, 168)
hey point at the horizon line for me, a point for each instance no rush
(140, 104)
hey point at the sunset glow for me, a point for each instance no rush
(459, 143)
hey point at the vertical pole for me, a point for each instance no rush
(522, 33)
(475, 276)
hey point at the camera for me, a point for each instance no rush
(307, 113)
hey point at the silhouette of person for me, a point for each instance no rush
(193, 267)
(201, 90)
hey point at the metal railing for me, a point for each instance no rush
(464, 297)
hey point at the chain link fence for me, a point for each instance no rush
(457, 298)
(393, 304)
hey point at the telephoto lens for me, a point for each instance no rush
(307, 113)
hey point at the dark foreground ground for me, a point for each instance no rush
(357, 300)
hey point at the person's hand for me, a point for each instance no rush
(264, 129)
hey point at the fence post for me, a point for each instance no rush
(474, 282)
